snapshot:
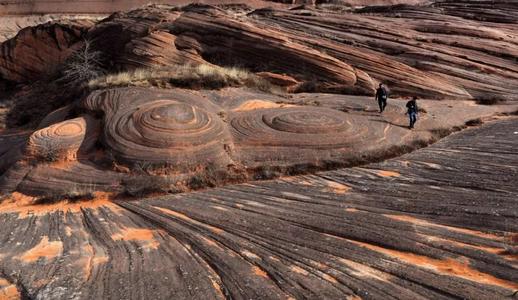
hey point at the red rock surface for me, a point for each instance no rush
(160, 140)
(36, 51)
(430, 50)
(437, 223)
(12, 24)
(430, 224)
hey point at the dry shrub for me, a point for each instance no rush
(474, 122)
(489, 100)
(82, 66)
(201, 76)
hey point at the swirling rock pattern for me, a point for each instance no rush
(298, 135)
(177, 140)
(431, 224)
(439, 50)
(161, 128)
(64, 140)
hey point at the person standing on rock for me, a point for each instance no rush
(382, 96)
(412, 111)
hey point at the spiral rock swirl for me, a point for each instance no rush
(161, 130)
(63, 140)
(294, 127)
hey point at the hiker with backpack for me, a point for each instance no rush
(382, 96)
(412, 111)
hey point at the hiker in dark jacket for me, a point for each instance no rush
(382, 96)
(412, 111)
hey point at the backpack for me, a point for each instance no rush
(382, 94)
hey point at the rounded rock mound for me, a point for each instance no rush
(161, 129)
(293, 127)
(64, 140)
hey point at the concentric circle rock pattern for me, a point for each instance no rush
(434, 224)
(63, 139)
(143, 140)
(183, 132)
(164, 129)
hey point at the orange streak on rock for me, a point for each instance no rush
(219, 208)
(93, 259)
(24, 205)
(329, 278)
(351, 209)
(174, 213)
(9, 292)
(383, 173)
(134, 234)
(45, 249)
(299, 270)
(215, 229)
(365, 271)
(463, 245)
(137, 234)
(259, 272)
(448, 266)
(338, 188)
(421, 222)
(250, 254)
(186, 218)
(217, 287)
(274, 258)
(257, 104)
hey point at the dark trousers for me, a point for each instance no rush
(413, 119)
(382, 103)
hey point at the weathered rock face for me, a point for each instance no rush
(415, 49)
(37, 51)
(432, 50)
(495, 11)
(436, 223)
(227, 41)
(156, 37)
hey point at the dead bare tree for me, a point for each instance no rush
(83, 66)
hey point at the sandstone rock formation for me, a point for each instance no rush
(431, 224)
(156, 140)
(189, 139)
(431, 50)
(37, 51)
(77, 159)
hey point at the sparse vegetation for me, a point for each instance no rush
(489, 100)
(83, 66)
(49, 151)
(474, 122)
(201, 76)
(72, 193)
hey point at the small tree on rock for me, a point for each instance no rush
(83, 66)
